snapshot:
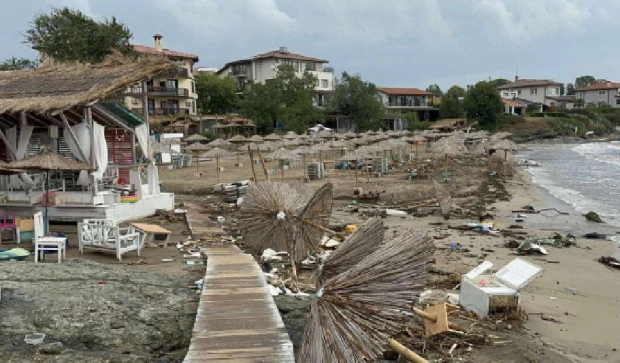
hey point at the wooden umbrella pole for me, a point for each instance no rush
(357, 164)
(250, 154)
(323, 229)
(367, 172)
(305, 169)
(282, 175)
(406, 352)
(262, 163)
(217, 171)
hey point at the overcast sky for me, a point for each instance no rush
(393, 43)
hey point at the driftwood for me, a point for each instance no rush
(405, 352)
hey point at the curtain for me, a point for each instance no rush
(82, 134)
(101, 150)
(142, 133)
(21, 149)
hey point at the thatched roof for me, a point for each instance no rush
(68, 85)
(48, 160)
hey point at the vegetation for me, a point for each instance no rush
(413, 123)
(584, 81)
(498, 82)
(435, 90)
(287, 100)
(216, 95)
(17, 64)
(68, 35)
(357, 98)
(452, 103)
(483, 104)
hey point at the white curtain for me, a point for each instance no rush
(21, 149)
(82, 134)
(142, 133)
(101, 150)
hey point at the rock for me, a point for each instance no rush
(51, 348)
(117, 324)
(593, 217)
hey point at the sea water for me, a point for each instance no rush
(586, 176)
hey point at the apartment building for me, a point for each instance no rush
(601, 92)
(263, 67)
(540, 91)
(169, 93)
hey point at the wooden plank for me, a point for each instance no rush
(151, 228)
(237, 319)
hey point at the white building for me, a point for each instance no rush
(601, 92)
(263, 67)
(540, 91)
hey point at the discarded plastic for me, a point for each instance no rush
(395, 212)
(572, 290)
(34, 339)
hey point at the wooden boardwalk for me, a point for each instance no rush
(237, 319)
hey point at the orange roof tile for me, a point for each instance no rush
(529, 83)
(403, 91)
(287, 55)
(600, 86)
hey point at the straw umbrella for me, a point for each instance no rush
(446, 151)
(506, 145)
(47, 160)
(196, 149)
(237, 139)
(195, 138)
(272, 137)
(358, 310)
(220, 143)
(256, 138)
(291, 135)
(217, 153)
(282, 155)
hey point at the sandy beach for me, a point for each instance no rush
(580, 295)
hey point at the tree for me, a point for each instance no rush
(580, 103)
(435, 90)
(483, 103)
(570, 89)
(499, 82)
(584, 81)
(358, 99)
(17, 64)
(452, 103)
(68, 35)
(286, 99)
(532, 108)
(216, 95)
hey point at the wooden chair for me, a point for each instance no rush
(104, 235)
(44, 243)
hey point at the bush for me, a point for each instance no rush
(550, 114)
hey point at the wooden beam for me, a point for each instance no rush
(108, 116)
(52, 120)
(74, 138)
(36, 120)
(23, 118)
(9, 148)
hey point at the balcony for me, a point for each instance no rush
(166, 111)
(160, 91)
(177, 72)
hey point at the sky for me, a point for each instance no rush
(392, 43)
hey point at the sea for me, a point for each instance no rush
(586, 176)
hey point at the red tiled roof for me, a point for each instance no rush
(512, 103)
(403, 91)
(561, 98)
(600, 86)
(287, 55)
(529, 83)
(167, 52)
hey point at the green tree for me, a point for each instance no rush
(68, 35)
(435, 90)
(286, 99)
(499, 82)
(483, 103)
(358, 99)
(570, 89)
(452, 103)
(532, 108)
(17, 64)
(584, 81)
(216, 95)
(580, 103)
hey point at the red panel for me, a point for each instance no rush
(119, 149)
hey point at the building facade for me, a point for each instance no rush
(600, 93)
(400, 101)
(169, 93)
(532, 90)
(263, 67)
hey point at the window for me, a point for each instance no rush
(602, 92)
(172, 84)
(554, 91)
(617, 101)
(519, 92)
(533, 91)
(277, 60)
(317, 84)
(324, 83)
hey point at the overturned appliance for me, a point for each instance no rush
(486, 293)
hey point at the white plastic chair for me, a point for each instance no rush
(44, 243)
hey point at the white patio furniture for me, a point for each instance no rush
(105, 236)
(44, 243)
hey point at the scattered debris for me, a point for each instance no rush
(595, 235)
(593, 217)
(610, 261)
